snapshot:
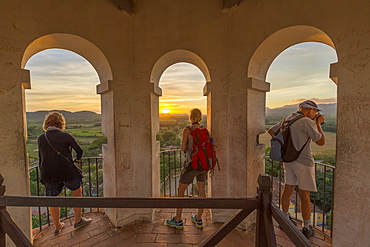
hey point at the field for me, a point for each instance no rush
(85, 134)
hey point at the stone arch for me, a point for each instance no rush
(177, 56)
(277, 42)
(159, 67)
(73, 43)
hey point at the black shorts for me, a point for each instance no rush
(188, 173)
(54, 189)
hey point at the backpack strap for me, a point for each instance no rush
(291, 122)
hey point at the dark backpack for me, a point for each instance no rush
(282, 148)
(203, 153)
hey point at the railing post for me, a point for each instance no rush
(2, 232)
(265, 234)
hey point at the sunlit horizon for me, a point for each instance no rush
(64, 80)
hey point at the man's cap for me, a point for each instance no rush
(309, 104)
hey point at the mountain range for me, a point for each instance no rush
(71, 117)
(81, 116)
(327, 109)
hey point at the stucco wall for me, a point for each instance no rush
(233, 48)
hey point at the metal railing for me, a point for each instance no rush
(92, 186)
(321, 201)
(266, 210)
(171, 164)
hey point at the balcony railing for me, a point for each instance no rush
(321, 201)
(172, 162)
(266, 210)
(92, 186)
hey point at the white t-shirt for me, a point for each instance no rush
(302, 130)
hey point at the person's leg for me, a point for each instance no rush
(201, 194)
(180, 193)
(55, 216)
(285, 197)
(305, 205)
(55, 189)
(77, 211)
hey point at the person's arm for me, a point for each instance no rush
(271, 132)
(318, 121)
(274, 128)
(185, 138)
(79, 151)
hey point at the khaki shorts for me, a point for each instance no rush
(301, 175)
(188, 173)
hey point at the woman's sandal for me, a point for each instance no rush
(59, 230)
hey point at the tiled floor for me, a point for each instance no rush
(150, 234)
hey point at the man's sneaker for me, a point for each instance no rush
(198, 223)
(176, 224)
(308, 232)
(83, 222)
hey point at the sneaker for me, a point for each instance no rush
(59, 230)
(308, 232)
(176, 224)
(83, 222)
(198, 223)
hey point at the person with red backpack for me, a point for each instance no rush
(198, 147)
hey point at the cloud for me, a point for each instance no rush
(330, 100)
(182, 88)
(61, 79)
(301, 71)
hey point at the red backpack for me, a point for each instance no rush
(203, 153)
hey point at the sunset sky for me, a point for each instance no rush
(63, 80)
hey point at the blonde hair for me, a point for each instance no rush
(55, 119)
(196, 115)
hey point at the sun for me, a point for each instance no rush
(165, 111)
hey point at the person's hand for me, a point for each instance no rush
(76, 160)
(319, 119)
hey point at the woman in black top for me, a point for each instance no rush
(58, 170)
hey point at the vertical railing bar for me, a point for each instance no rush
(332, 204)
(324, 201)
(315, 197)
(38, 194)
(90, 187)
(296, 202)
(97, 180)
(175, 163)
(82, 186)
(280, 178)
(169, 174)
(161, 160)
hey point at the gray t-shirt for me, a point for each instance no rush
(302, 130)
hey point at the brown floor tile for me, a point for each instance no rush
(154, 234)
(130, 241)
(168, 238)
(191, 239)
(146, 238)
(164, 229)
(76, 240)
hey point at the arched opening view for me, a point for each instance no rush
(182, 90)
(64, 81)
(301, 73)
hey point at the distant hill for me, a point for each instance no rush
(328, 109)
(71, 117)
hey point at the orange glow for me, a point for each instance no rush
(166, 111)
